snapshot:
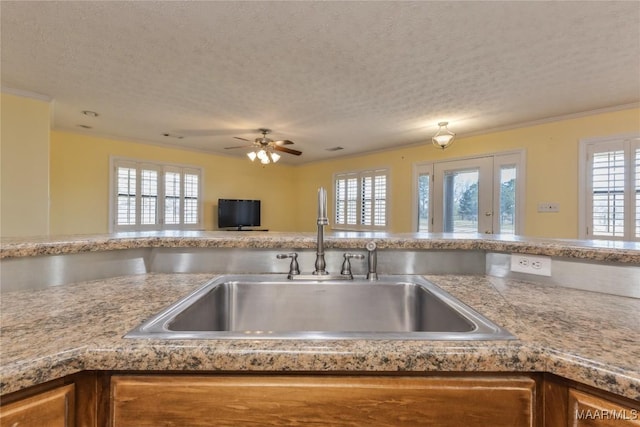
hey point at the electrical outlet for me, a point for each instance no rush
(531, 264)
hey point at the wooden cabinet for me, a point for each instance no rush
(52, 408)
(322, 400)
(570, 404)
(91, 399)
(587, 410)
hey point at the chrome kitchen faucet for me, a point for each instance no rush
(320, 272)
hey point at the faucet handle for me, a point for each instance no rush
(294, 268)
(346, 264)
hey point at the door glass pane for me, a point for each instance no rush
(461, 201)
(507, 218)
(423, 201)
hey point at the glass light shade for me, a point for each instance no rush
(265, 160)
(262, 155)
(275, 157)
(252, 156)
(444, 137)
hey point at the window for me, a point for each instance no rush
(472, 195)
(361, 200)
(154, 196)
(611, 188)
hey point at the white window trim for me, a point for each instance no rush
(583, 201)
(518, 157)
(161, 167)
(511, 158)
(359, 174)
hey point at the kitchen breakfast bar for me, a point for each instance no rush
(65, 327)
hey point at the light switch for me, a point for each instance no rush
(548, 207)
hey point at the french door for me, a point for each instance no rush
(477, 195)
(463, 189)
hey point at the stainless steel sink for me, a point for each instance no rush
(259, 307)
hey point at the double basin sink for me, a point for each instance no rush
(264, 307)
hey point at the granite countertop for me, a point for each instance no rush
(586, 337)
(593, 250)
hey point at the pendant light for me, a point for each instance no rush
(444, 137)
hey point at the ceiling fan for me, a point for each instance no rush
(264, 149)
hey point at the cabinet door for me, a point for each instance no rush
(586, 410)
(53, 408)
(326, 401)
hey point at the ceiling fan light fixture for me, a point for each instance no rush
(265, 149)
(444, 137)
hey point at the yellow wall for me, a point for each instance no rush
(79, 173)
(80, 182)
(24, 165)
(551, 166)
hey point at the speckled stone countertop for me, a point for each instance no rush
(587, 337)
(594, 250)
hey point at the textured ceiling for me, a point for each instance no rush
(361, 75)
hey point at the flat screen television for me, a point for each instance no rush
(238, 213)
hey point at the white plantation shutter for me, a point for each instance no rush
(608, 179)
(380, 200)
(153, 196)
(148, 196)
(346, 199)
(191, 214)
(361, 199)
(613, 190)
(172, 197)
(366, 214)
(126, 195)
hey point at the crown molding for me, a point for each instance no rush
(25, 94)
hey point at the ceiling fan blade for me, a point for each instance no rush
(211, 132)
(287, 150)
(238, 146)
(283, 142)
(242, 139)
